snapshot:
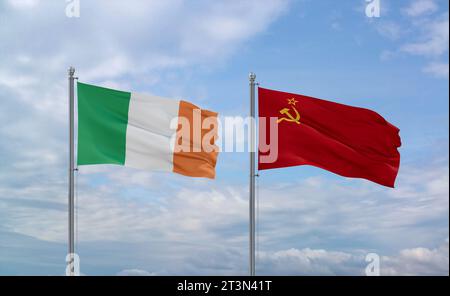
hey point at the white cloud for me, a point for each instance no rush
(308, 262)
(389, 30)
(387, 55)
(421, 7)
(201, 218)
(437, 69)
(130, 177)
(178, 224)
(134, 272)
(429, 36)
(434, 41)
(23, 4)
(416, 261)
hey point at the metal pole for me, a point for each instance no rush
(71, 171)
(252, 78)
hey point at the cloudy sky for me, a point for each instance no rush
(132, 222)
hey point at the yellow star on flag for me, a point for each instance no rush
(292, 101)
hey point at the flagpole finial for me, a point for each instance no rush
(71, 71)
(252, 76)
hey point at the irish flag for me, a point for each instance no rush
(145, 132)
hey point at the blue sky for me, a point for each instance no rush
(141, 223)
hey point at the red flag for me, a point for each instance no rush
(348, 141)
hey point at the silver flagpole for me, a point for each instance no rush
(71, 172)
(252, 78)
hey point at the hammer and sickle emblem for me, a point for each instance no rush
(290, 117)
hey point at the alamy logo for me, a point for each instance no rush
(73, 264)
(73, 8)
(373, 266)
(373, 8)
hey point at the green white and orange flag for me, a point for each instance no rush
(145, 132)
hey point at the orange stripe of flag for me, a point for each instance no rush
(191, 157)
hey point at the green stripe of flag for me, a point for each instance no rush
(102, 125)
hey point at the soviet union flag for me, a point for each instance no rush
(348, 141)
